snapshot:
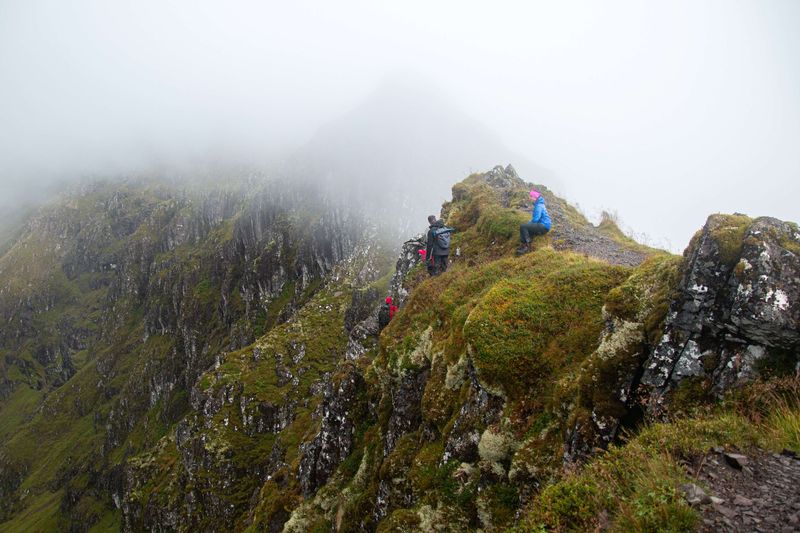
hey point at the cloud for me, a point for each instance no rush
(663, 112)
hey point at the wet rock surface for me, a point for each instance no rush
(150, 287)
(256, 435)
(738, 304)
(481, 409)
(760, 496)
(406, 415)
(409, 257)
(341, 412)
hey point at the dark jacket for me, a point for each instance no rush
(432, 248)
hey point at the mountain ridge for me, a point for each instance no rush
(228, 371)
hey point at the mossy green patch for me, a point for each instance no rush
(645, 296)
(727, 231)
(636, 484)
(528, 327)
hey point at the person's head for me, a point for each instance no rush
(389, 300)
(431, 219)
(535, 194)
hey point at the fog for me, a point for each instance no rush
(661, 112)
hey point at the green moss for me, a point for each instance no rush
(727, 231)
(425, 467)
(275, 502)
(500, 502)
(791, 241)
(528, 327)
(400, 521)
(439, 401)
(645, 296)
(691, 394)
(609, 368)
(570, 505)
(500, 223)
(637, 484)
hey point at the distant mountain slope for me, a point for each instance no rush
(113, 301)
(12, 225)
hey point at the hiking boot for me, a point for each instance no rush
(524, 248)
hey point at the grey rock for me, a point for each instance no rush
(694, 494)
(406, 411)
(731, 312)
(408, 259)
(736, 460)
(727, 512)
(334, 441)
(481, 409)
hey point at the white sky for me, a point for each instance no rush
(662, 111)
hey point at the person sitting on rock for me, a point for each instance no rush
(538, 225)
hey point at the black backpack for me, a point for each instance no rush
(384, 315)
(442, 237)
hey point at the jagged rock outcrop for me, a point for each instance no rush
(409, 257)
(734, 308)
(406, 415)
(341, 411)
(361, 321)
(481, 409)
(738, 304)
(116, 299)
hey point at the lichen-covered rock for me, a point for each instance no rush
(237, 378)
(342, 410)
(606, 389)
(406, 397)
(481, 409)
(361, 321)
(739, 302)
(118, 297)
(362, 305)
(408, 259)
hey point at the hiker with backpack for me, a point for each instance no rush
(538, 225)
(386, 312)
(438, 247)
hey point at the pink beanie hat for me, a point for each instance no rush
(535, 194)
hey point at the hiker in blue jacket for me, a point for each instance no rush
(539, 224)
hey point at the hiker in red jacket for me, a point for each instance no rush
(387, 311)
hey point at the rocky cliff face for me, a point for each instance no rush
(269, 399)
(118, 297)
(738, 304)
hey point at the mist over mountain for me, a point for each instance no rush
(394, 155)
(399, 149)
